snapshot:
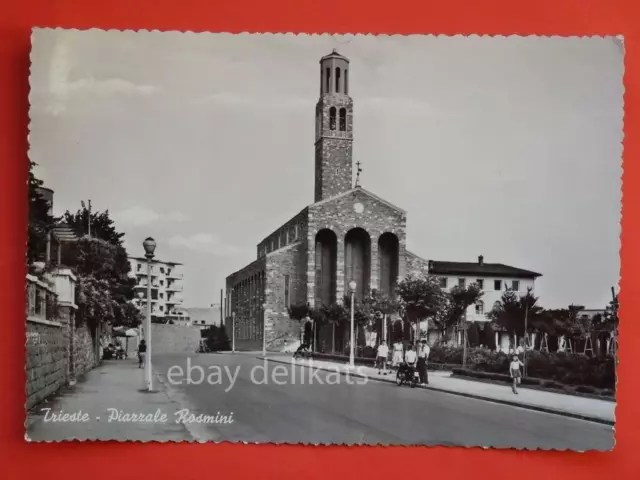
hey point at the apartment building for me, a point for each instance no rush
(166, 289)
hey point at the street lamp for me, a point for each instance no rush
(149, 247)
(352, 290)
(140, 295)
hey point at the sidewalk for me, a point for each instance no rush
(115, 384)
(601, 411)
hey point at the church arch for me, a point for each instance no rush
(326, 267)
(389, 261)
(343, 120)
(332, 118)
(357, 261)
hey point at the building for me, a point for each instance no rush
(205, 317)
(347, 234)
(166, 289)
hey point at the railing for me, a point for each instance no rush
(174, 288)
(175, 275)
(41, 301)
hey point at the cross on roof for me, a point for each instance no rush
(358, 174)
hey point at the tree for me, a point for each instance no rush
(97, 259)
(510, 312)
(41, 222)
(420, 298)
(378, 306)
(102, 226)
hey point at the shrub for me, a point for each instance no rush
(216, 338)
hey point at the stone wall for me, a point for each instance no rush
(47, 359)
(84, 350)
(340, 215)
(173, 339)
(416, 265)
(280, 330)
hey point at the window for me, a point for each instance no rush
(462, 283)
(337, 80)
(139, 267)
(287, 293)
(343, 119)
(332, 118)
(480, 307)
(162, 295)
(480, 283)
(497, 285)
(161, 282)
(295, 231)
(327, 77)
(515, 285)
(443, 282)
(161, 308)
(161, 269)
(346, 82)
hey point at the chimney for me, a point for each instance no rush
(480, 260)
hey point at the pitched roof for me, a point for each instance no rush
(64, 233)
(481, 269)
(366, 192)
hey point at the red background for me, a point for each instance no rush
(494, 17)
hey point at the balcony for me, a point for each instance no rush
(174, 288)
(175, 275)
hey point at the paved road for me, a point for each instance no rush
(328, 409)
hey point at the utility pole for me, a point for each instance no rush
(526, 336)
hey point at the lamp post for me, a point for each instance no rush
(352, 290)
(149, 248)
(140, 295)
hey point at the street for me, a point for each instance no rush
(298, 411)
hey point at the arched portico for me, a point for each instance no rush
(389, 261)
(326, 267)
(357, 261)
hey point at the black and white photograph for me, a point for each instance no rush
(324, 239)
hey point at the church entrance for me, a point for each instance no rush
(357, 261)
(388, 253)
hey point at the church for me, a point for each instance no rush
(347, 234)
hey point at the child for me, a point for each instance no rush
(514, 371)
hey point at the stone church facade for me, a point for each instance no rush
(347, 234)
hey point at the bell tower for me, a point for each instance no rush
(334, 129)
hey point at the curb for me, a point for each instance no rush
(526, 406)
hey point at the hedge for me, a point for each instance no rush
(563, 368)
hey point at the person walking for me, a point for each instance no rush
(142, 353)
(423, 357)
(381, 359)
(397, 354)
(514, 371)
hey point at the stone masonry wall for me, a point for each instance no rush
(280, 330)
(47, 360)
(84, 354)
(339, 215)
(173, 339)
(416, 265)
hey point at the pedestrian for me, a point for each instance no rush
(142, 353)
(410, 360)
(514, 371)
(381, 359)
(423, 357)
(397, 354)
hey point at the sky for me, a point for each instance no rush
(507, 147)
